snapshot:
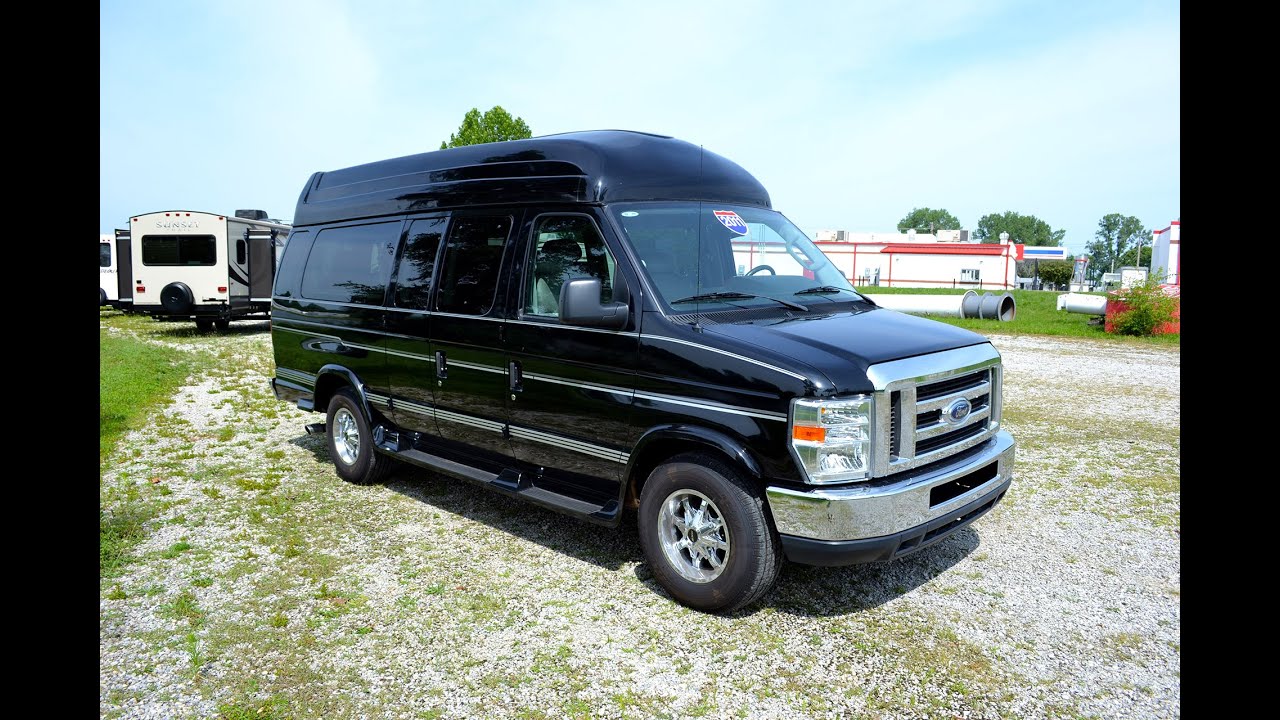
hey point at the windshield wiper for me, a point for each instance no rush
(824, 290)
(739, 296)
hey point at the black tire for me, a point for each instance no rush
(204, 325)
(752, 558)
(102, 297)
(345, 424)
(222, 324)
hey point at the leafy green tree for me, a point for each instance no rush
(1117, 236)
(1024, 229)
(928, 220)
(1056, 272)
(495, 125)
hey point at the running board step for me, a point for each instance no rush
(510, 482)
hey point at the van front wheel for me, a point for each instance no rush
(351, 442)
(705, 535)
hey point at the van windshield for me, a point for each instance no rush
(731, 255)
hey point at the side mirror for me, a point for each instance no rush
(580, 305)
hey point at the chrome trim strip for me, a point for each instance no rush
(469, 420)
(763, 414)
(574, 383)
(929, 431)
(411, 356)
(477, 366)
(304, 332)
(744, 358)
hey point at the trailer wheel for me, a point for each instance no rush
(350, 442)
(204, 325)
(102, 297)
(705, 534)
(222, 324)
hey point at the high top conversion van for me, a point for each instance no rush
(606, 321)
(188, 265)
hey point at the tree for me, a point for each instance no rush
(1023, 229)
(1116, 236)
(928, 220)
(495, 125)
(1056, 272)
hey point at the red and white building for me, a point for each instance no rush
(1166, 255)
(945, 260)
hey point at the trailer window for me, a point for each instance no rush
(179, 250)
(104, 254)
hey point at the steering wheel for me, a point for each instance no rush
(758, 268)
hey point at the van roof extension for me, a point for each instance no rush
(597, 166)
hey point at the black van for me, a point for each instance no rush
(605, 321)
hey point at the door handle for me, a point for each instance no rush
(515, 378)
(442, 365)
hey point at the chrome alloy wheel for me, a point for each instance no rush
(346, 436)
(694, 535)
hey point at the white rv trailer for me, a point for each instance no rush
(188, 265)
(108, 292)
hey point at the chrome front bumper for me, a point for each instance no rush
(873, 510)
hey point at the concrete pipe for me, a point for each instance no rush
(1080, 303)
(949, 305)
(997, 307)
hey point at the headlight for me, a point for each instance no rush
(831, 439)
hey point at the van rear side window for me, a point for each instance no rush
(351, 264)
(417, 265)
(179, 250)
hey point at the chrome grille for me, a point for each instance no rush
(914, 395)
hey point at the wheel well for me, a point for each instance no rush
(326, 386)
(659, 451)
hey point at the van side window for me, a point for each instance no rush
(104, 254)
(418, 262)
(289, 274)
(565, 247)
(351, 264)
(472, 257)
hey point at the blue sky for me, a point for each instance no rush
(850, 113)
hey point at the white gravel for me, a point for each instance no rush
(429, 598)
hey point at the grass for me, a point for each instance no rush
(135, 377)
(1037, 314)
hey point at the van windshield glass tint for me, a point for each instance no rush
(728, 255)
(178, 250)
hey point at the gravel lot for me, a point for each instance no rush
(267, 588)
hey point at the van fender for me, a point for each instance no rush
(686, 434)
(330, 377)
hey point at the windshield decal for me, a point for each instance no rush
(730, 219)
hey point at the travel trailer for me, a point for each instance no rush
(188, 265)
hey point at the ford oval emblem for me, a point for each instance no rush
(956, 412)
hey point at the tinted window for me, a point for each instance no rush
(289, 275)
(240, 252)
(178, 250)
(417, 264)
(351, 264)
(104, 254)
(565, 247)
(469, 273)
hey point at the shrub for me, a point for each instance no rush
(1147, 308)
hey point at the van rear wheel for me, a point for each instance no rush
(350, 442)
(705, 535)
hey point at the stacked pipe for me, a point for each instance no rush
(988, 306)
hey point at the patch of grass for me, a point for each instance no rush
(184, 607)
(279, 620)
(134, 378)
(1037, 314)
(175, 550)
(273, 708)
(118, 533)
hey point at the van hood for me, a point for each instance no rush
(843, 345)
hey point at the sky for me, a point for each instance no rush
(850, 113)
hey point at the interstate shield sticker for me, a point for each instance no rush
(730, 219)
